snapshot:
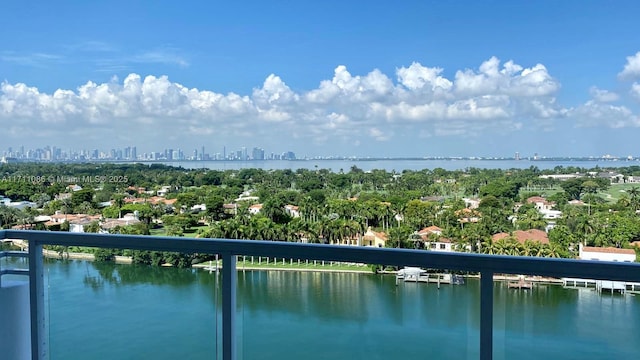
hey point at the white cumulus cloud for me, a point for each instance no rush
(593, 113)
(347, 107)
(635, 90)
(603, 95)
(631, 68)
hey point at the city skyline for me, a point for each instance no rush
(55, 153)
(422, 79)
(131, 153)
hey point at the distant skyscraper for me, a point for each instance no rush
(257, 154)
(517, 157)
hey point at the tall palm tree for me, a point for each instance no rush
(634, 194)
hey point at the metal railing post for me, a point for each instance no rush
(229, 287)
(486, 315)
(39, 350)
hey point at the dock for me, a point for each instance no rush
(422, 276)
(606, 286)
(520, 284)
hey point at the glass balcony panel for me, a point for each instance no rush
(549, 321)
(356, 314)
(128, 311)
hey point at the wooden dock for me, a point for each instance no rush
(520, 284)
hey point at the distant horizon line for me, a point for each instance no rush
(344, 158)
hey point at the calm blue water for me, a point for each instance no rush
(131, 312)
(390, 165)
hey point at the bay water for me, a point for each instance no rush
(108, 311)
(397, 165)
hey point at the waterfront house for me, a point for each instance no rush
(440, 244)
(607, 254)
(78, 224)
(374, 238)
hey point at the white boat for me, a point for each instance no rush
(410, 273)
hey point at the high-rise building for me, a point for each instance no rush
(289, 155)
(517, 157)
(257, 154)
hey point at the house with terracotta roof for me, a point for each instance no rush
(126, 220)
(374, 238)
(545, 207)
(523, 235)
(431, 238)
(255, 209)
(429, 230)
(467, 215)
(79, 223)
(541, 203)
(607, 254)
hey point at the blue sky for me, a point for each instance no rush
(410, 78)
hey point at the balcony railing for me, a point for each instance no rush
(485, 265)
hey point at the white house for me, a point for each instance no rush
(163, 191)
(607, 254)
(541, 204)
(292, 210)
(471, 203)
(441, 244)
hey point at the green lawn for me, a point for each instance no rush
(329, 266)
(544, 193)
(191, 233)
(616, 191)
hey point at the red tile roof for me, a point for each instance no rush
(521, 236)
(608, 250)
(430, 229)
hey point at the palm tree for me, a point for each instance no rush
(634, 193)
(489, 247)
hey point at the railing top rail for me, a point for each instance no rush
(9, 253)
(386, 256)
(14, 272)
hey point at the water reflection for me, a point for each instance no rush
(321, 315)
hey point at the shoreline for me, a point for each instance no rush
(128, 260)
